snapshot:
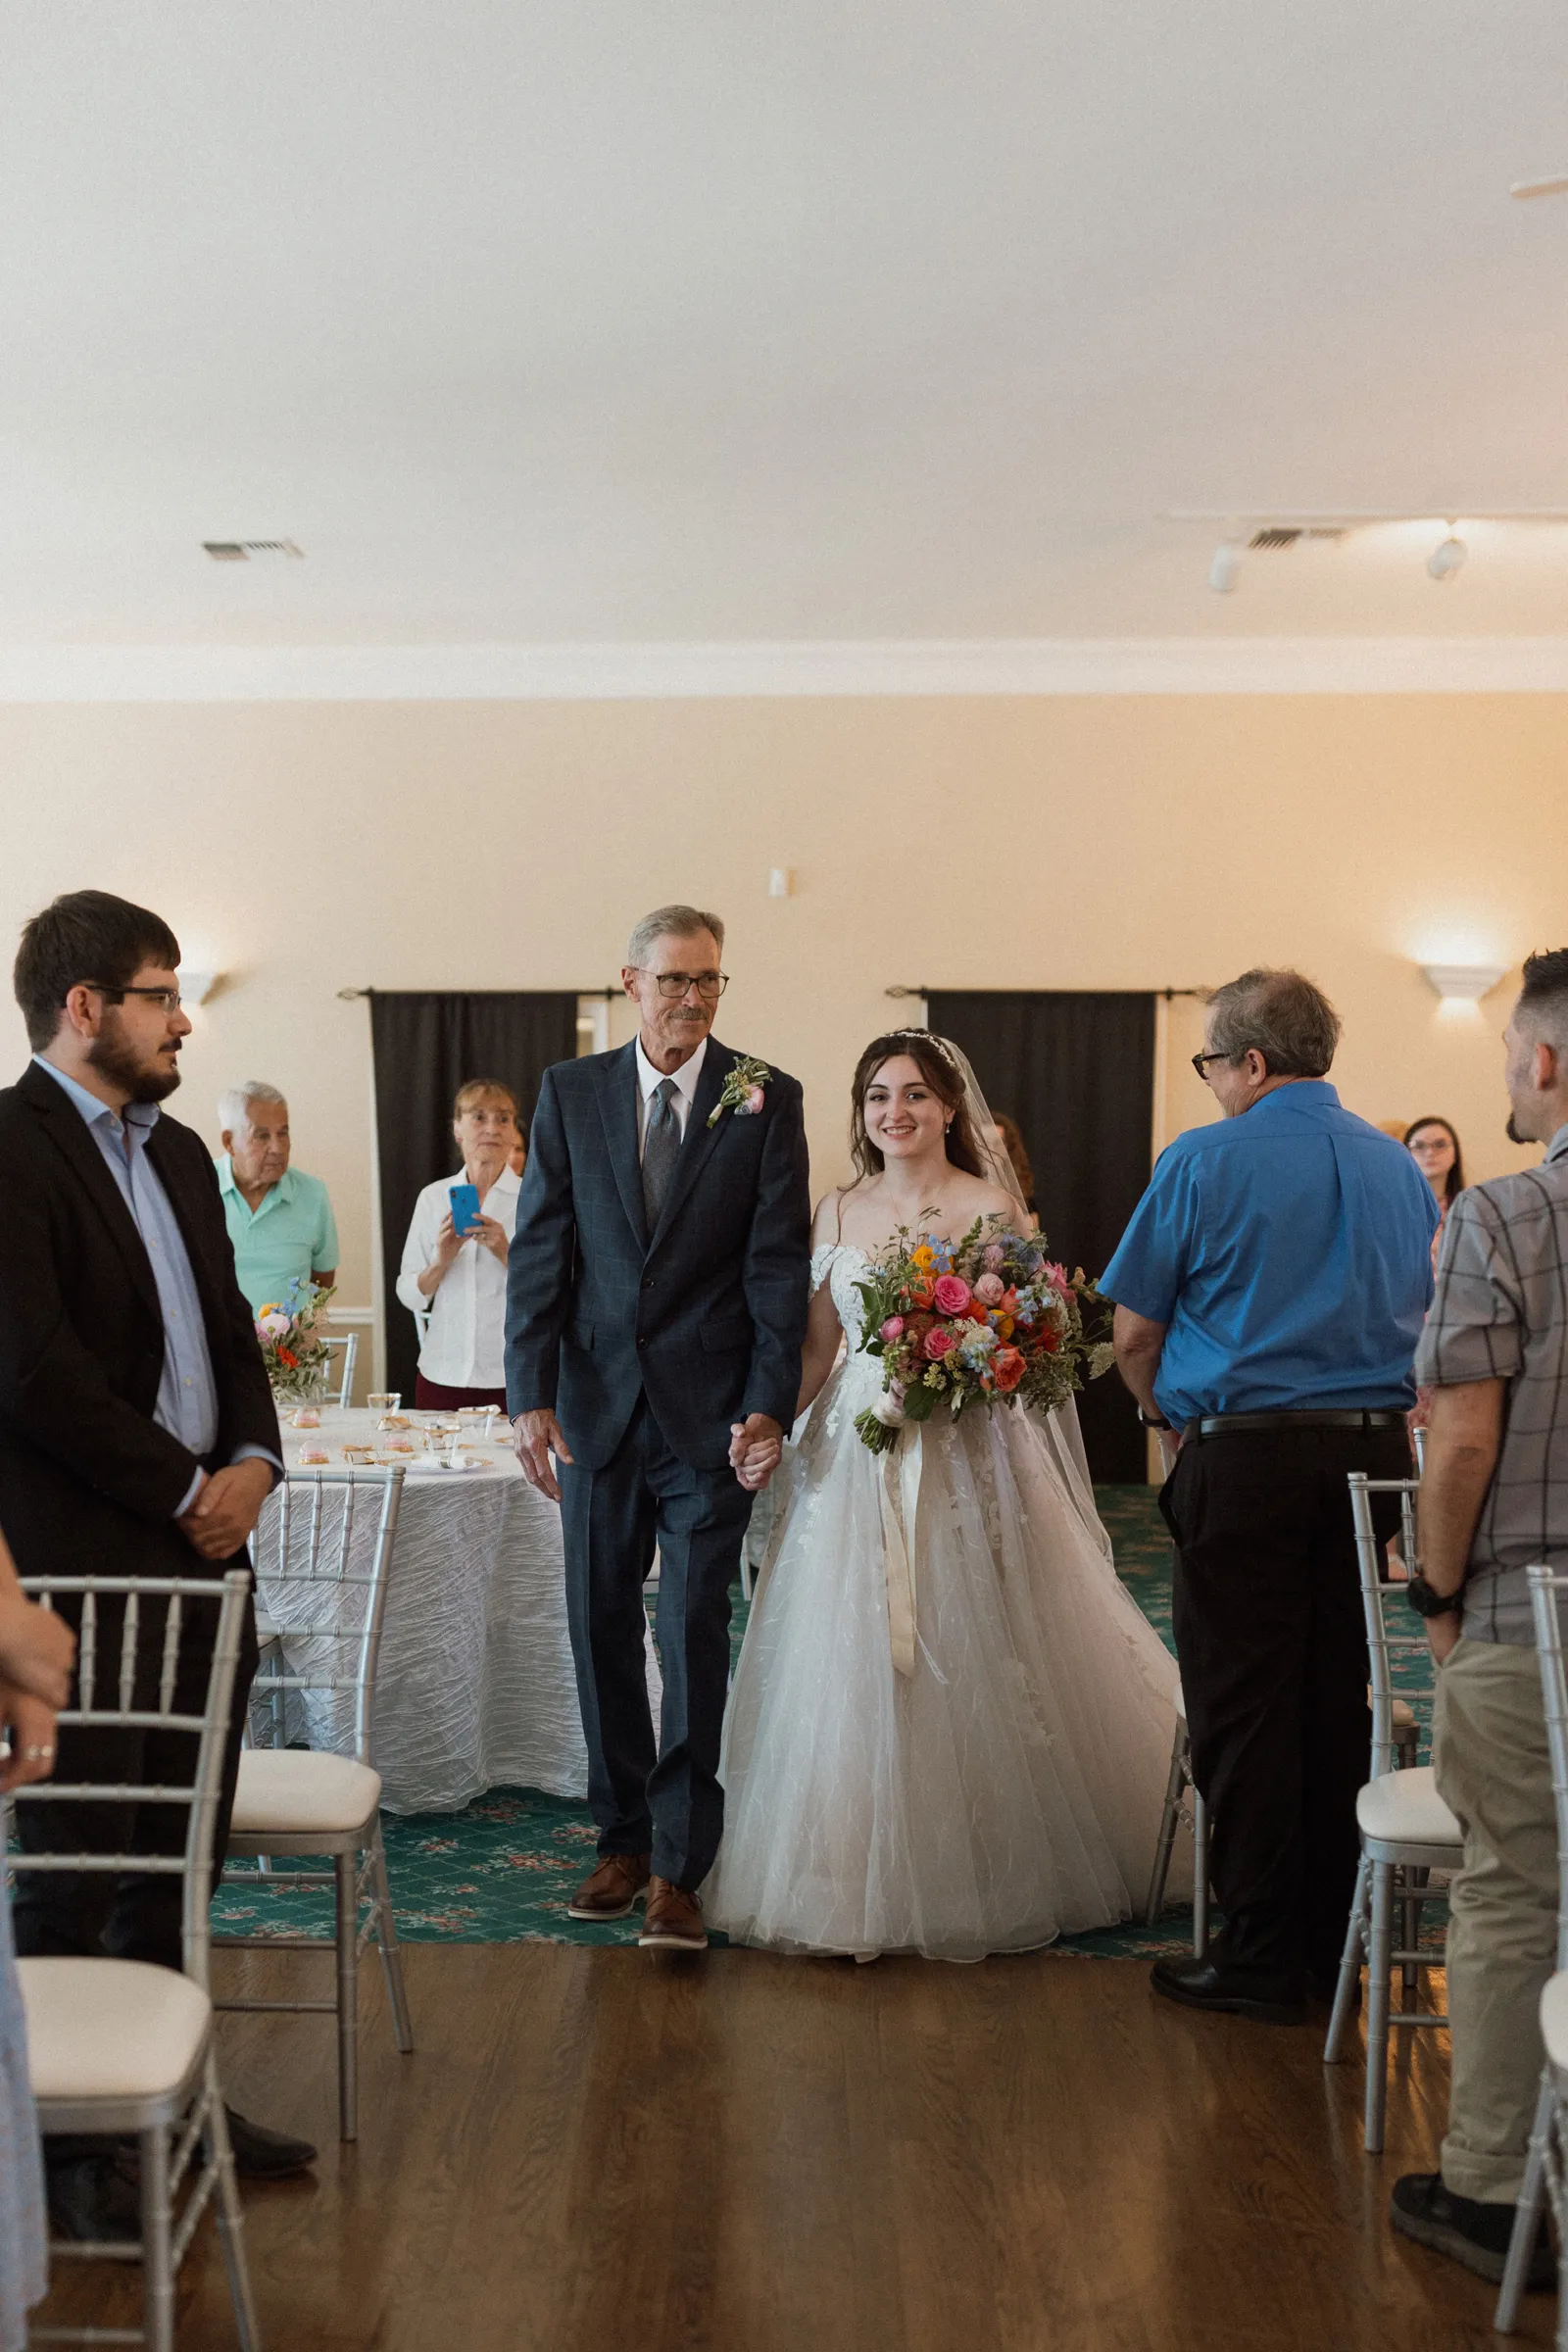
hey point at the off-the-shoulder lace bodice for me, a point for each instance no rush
(841, 1265)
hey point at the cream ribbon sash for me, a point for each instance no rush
(899, 1496)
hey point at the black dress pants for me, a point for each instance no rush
(135, 1916)
(665, 1800)
(1271, 1639)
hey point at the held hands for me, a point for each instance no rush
(756, 1450)
(535, 1436)
(226, 1509)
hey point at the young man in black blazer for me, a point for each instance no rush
(138, 1432)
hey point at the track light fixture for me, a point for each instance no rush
(1225, 566)
(1283, 529)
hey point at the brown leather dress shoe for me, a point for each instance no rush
(673, 1920)
(613, 1889)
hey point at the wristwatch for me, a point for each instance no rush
(1152, 1420)
(1428, 1601)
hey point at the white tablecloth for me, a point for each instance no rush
(475, 1688)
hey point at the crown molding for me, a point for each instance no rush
(891, 666)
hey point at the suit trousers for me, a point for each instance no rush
(666, 1800)
(1271, 1639)
(133, 1916)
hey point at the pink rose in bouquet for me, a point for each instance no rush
(938, 1340)
(893, 1329)
(951, 1294)
(990, 1290)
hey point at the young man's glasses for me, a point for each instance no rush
(166, 999)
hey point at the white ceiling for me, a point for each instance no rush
(694, 320)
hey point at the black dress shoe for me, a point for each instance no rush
(263, 2155)
(94, 2197)
(1467, 2231)
(1210, 1983)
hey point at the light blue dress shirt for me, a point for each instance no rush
(187, 1393)
(1289, 1253)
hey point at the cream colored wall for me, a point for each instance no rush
(1055, 842)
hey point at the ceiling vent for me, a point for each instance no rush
(1280, 535)
(240, 551)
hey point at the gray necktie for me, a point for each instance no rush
(660, 1145)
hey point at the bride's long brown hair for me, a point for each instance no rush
(941, 1074)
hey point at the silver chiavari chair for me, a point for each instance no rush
(1407, 1831)
(1184, 1805)
(119, 2046)
(1547, 2171)
(348, 1344)
(322, 1552)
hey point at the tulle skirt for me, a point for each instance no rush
(1006, 1792)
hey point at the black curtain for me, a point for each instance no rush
(425, 1043)
(1076, 1070)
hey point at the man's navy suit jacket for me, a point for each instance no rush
(706, 1314)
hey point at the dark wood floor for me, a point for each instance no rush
(598, 2150)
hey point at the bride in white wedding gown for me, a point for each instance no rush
(1007, 1788)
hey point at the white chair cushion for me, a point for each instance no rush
(110, 2029)
(295, 1789)
(1554, 2020)
(1404, 1808)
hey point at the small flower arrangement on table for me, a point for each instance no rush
(295, 1355)
(989, 1319)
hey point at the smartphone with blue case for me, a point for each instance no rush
(465, 1200)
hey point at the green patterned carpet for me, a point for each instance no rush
(501, 1871)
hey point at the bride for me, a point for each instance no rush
(1006, 1788)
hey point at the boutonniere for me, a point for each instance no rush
(743, 1090)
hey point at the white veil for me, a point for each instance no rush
(1063, 1433)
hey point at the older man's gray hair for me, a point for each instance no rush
(233, 1107)
(675, 923)
(1282, 1014)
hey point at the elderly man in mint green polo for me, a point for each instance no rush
(279, 1219)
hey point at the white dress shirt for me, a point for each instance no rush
(650, 1080)
(465, 1346)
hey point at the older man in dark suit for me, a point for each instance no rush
(656, 1303)
(138, 1433)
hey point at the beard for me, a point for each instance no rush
(116, 1059)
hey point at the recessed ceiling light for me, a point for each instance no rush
(240, 551)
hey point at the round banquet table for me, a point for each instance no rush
(475, 1688)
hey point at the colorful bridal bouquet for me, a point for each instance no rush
(295, 1357)
(987, 1318)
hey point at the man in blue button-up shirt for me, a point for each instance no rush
(1270, 1292)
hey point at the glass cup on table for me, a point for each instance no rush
(385, 1400)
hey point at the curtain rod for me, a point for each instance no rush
(346, 995)
(1166, 993)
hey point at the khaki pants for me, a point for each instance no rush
(1493, 1771)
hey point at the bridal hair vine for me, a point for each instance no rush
(743, 1090)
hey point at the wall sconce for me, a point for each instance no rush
(196, 987)
(1464, 983)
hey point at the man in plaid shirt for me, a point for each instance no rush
(1494, 1498)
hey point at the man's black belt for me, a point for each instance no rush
(1236, 1425)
